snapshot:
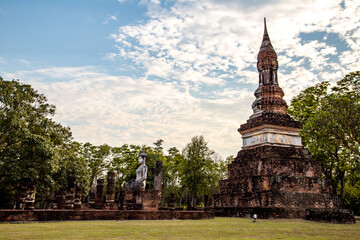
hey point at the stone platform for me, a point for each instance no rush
(66, 215)
(321, 215)
(275, 177)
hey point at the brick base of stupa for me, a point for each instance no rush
(275, 182)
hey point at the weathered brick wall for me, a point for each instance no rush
(274, 183)
(151, 199)
(143, 199)
(275, 177)
(276, 199)
(279, 164)
(333, 216)
(58, 215)
(274, 161)
(322, 215)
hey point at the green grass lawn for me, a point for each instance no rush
(219, 228)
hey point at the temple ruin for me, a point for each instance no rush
(135, 203)
(273, 175)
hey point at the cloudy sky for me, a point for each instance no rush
(134, 71)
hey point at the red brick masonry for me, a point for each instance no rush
(61, 215)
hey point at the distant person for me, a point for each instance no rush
(254, 217)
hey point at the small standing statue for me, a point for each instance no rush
(141, 174)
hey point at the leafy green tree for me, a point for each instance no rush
(124, 162)
(179, 172)
(171, 176)
(73, 164)
(154, 154)
(97, 160)
(331, 120)
(30, 141)
(199, 170)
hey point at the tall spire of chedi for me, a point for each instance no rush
(269, 96)
(269, 116)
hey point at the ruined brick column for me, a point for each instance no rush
(99, 191)
(206, 202)
(171, 203)
(30, 195)
(70, 195)
(121, 200)
(60, 198)
(158, 176)
(21, 195)
(189, 203)
(129, 199)
(26, 194)
(78, 191)
(110, 188)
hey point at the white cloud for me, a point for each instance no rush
(206, 39)
(110, 18)
(103, 108)
(23, 61)
(110, 56)
(350, 61)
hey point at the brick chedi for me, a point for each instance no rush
(273, 175)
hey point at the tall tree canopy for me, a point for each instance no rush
(31, 143)
(331, 131)
(199, 170)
